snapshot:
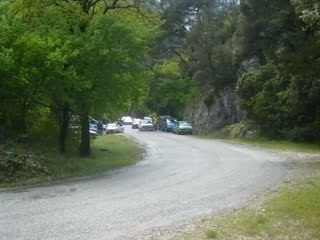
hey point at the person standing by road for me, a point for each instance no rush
(155, 122)
(100, 128)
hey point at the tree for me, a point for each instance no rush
(285, 101)
(210, 46)
(309, 12)
(112, 62)
(41, 74)
(172, 90)
(198, 43)
(79, 58)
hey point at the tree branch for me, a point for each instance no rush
(115, 5)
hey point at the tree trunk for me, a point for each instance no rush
(85, 135)
(64, 125)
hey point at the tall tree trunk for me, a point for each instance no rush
(85, 135)
(64, 125)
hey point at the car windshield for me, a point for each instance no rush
(171, 120)
(146, 122)
(185, 124)
(127, 119)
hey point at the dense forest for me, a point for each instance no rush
(265, 54)
(66, 58)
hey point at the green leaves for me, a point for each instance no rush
(54, 54)
(281, 94)
(172, 91)
(309, 12)
(111, 58)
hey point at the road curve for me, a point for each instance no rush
(181, 177)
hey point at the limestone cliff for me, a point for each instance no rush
(212, 110)
(215, 113)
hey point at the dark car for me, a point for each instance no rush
(166, 123)
(182, 127)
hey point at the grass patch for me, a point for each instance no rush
(108, 152)
(269, 144)
(294, 213)
(211, 234)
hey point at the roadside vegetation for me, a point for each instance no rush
(32, 165)
(249, 133)
(262, 142)
(283, 145)
(293, 212)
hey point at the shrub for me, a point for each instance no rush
(211, 234)
(301, 134)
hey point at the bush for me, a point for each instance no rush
(242, 129)
(301, 134)
(12, 163)
(211, 234)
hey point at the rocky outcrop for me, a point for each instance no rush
(211, 112)
(243, 129)
(248, 65)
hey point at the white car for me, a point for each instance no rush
(127, 120)
(93, 134)
(93, 124)
(114, 128)
(146, 125)
(136, 122)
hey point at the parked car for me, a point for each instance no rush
(166, 123)
(114, 128)
(146, 125)
(93, 134)
(105, 124)
(76, 127)
(135, 124)
(127, 120)
(182, 127)
(93, 124)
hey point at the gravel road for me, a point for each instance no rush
(180, 178)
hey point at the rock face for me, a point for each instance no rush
(215, 113)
